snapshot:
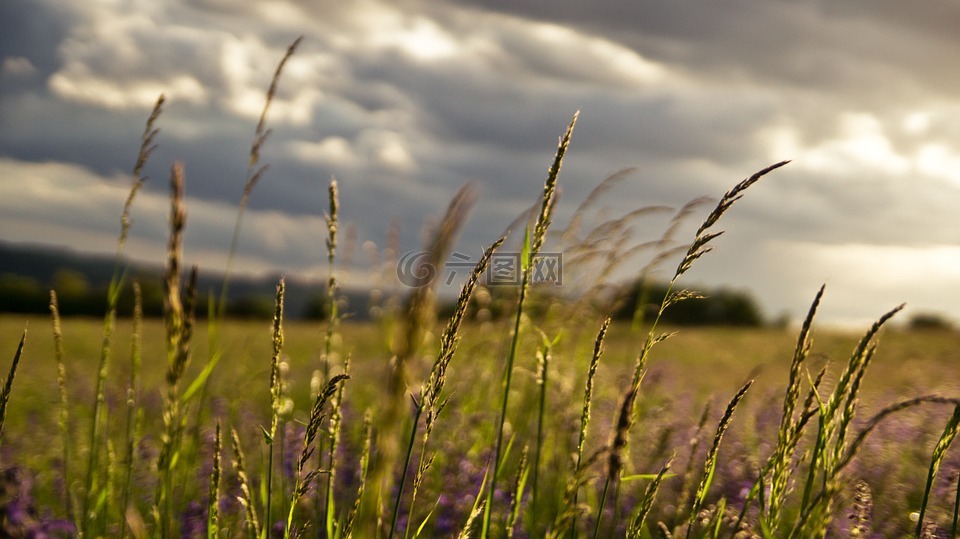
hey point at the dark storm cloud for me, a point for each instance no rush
(406, 102)
(33, 30)
(792, 41)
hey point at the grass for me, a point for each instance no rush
(670, 409)
(515, 428)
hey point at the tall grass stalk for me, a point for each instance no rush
(8, 382)
(217, 307)
(213, 501)
(588, 401)
(955, 527)
(276, 403)
(573, 228)
(347, 531)
(254, 172)
(476, 510)
(99, 416)
(335, 424)
(333, 224)
(519, 483)
(147, 146)
(664, 251)
(862, 510)
(419, 317)
(63, 417)
(543, 371)
(710, 465)
(563, 522)
(635, 529)
(134, 426)
(835, 417)
(778, 465)
(539, 235)
(317, 418)
(245, 498)
(810, 410)
(689, 475)
(884, 414)
(804, 517)
(946, 438)
(615, 456)
(588, 389)
(179, 314)
(699, 247)
(98, 420)
(431, 400)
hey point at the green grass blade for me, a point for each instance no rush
(711, 463)
(213, 501)
(8, 383)
(646, 502)
(539, 235)
(946, 438)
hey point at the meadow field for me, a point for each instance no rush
(690, 378)
(549, 420)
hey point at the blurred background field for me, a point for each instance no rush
(700, 366)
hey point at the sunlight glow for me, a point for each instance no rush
(895, 266)
(939, 161)
(916, 123)
(419, 38)
(248, 66)
(861, 143)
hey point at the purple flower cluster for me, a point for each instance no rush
(19, 516)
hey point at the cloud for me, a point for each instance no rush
(92, 204)
(404, 103)
(863, 280)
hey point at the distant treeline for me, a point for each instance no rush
(77, 296)
(29, 273)
(713, 307)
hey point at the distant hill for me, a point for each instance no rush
(42, 262)
(29, 272)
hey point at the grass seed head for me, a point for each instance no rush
(621, 434)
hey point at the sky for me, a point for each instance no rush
(405, 102)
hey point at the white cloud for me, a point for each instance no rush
(248, 65)
(386, 148)
(119, 56)
(860, 143)
(418, 37)
(138, 94)
(331, 151)
(939, 161)
(372, 147)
